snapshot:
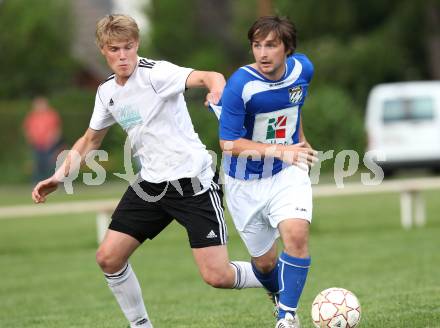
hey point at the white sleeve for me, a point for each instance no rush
(168, 79)
(101, 117)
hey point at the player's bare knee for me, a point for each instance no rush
(101, 258)
(296, 246)
(265, 265)
(107, 262)
(217, 279)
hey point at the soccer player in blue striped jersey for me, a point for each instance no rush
(266, 159)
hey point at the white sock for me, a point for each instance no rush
(127, 291)
(244, 275)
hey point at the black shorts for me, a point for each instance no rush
(147, 208)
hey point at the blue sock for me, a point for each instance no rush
(292, 276)
(268, 280)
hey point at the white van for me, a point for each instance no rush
(403, 124)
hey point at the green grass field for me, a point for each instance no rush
(49, 277)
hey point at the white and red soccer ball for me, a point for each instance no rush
(336, 308)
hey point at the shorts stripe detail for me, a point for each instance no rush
(223, 222)
(219, 214)
(215, 186)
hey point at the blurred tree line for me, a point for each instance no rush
(353, 45)
(35, 40)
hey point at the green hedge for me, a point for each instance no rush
(333, 121)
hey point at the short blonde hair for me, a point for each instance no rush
(116, 28)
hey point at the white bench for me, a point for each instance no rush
(412, 204)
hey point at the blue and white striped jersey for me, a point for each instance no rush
(262, 110)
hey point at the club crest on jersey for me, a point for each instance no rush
(276, 128)
(295, 94)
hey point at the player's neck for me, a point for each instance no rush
(121, 80)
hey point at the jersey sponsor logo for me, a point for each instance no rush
(295, 94)
(127, 116)
(276, 127)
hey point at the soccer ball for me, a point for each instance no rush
(336, 308)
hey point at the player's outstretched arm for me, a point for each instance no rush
(213, 81)
(298, 154)
(91, 140)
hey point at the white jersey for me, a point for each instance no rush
(151, 108)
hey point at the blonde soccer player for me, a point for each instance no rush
(145, 97)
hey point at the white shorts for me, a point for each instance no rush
(258, 206)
